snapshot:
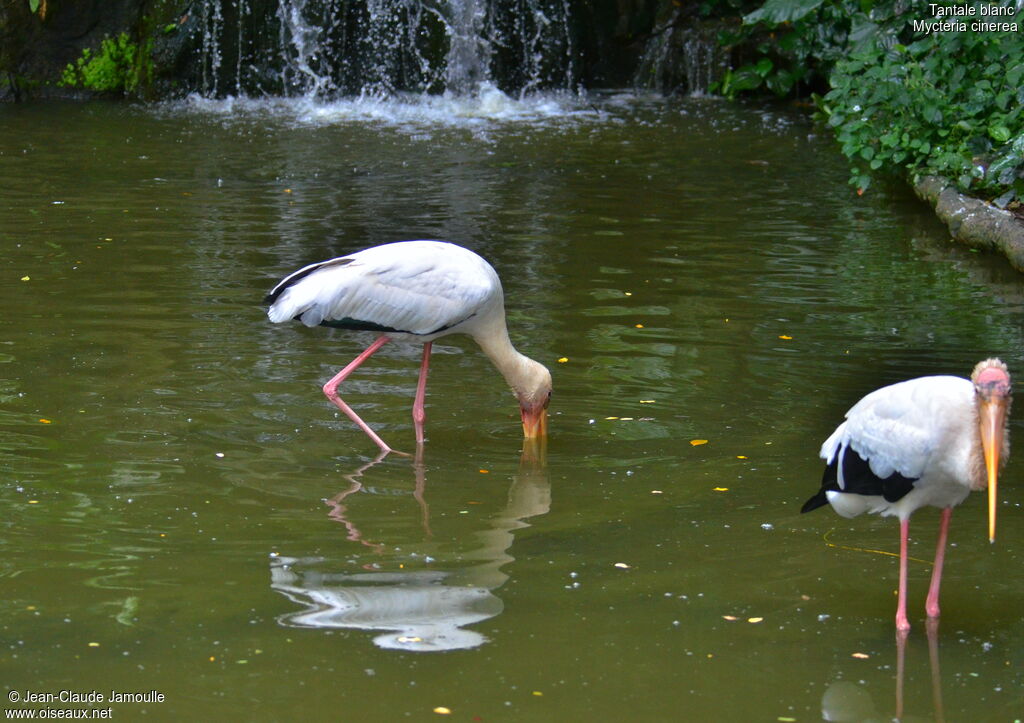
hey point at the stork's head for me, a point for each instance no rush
(992, 394)
(534, 392)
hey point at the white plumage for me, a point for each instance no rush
(413, 291)
(417, 287)
(921, 429)
(923, 442)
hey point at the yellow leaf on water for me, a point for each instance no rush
(754, 620)
(698, 442)
(730, 618)
(861, 656)
(485, 471)
(563, 359)
(741, 456)
(720, 489)
(441, 710)
(26, 278)
(46, 421)
(783, 336)
(647, 401)
(639, 326)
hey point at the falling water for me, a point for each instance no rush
(677, 59)
(323, 49)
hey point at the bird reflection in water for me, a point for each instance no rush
(415, 610)
(844, 700)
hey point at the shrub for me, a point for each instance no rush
(120, 65)
(903, 98)
(946, 103)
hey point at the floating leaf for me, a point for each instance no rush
(783, 336)
(698, 442)
(563, 360)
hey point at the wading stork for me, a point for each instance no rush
(925, 441)
(413, 291)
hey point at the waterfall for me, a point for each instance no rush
(323, 49)
(680, 60)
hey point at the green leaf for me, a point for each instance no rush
(763, 67)
(1000, 134)
(782, 11)
(745, 79)
(33, 5)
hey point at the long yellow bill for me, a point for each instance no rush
(992, 416)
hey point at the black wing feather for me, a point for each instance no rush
(860, 480)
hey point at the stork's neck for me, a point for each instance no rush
(515, 367)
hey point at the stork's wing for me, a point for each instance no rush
(892, 437)
(415, 287)
(899, 428)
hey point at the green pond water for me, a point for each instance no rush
(185, 513)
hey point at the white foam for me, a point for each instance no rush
(488, 105)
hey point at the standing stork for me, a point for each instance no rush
(925, 441)
(413, 291)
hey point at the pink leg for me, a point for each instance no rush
(419, 414)
(931, 605)
(902, 625)
(331, 390)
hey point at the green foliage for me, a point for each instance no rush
(946, 103)
(801, 39)
(120, 65)
(902, 100)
